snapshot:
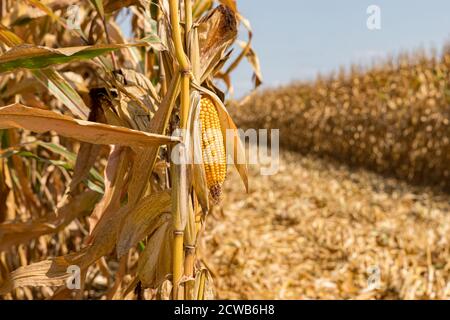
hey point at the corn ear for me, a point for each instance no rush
(213, 148)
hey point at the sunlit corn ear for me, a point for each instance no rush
(216, 33)
(195, 153)
(213, 148)
(234, 146)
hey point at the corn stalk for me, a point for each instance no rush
(109, 165)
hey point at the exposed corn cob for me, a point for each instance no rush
(213, 149)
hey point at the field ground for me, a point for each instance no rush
(318, 229)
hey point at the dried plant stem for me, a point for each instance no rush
(201, 287)
(176, 35)
(186, 82)
(200, 6)
(186, 76)
(184, 97)
(189, 262)
(108, 39)
(182, 59)
(187, 17)
(179, 211)
(177, 262)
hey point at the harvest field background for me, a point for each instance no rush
(359, 208)
(340, 218)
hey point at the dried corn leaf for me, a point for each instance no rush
(115, 171)
(15, 233)
(203, 285)
(38, 57)
(165, 290)
(230, 4)
(41, 6)
(86, 157)
(50, 272)
(20, 116)
(62, 90)
(247, 52)
(216, 33)
(194, 144)
(72, 158)
(155, 263)
(98, 4)
(132, 77)
(254, 62)
(190, 232)
(51, 79)
(201, 6)
(113, 5)
(145, 160)
(141, 220)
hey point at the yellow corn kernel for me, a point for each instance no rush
(213, 149)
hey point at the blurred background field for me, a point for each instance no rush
(364, 177)
(317, 228)
(360, 206)
(393, 118)
(365, 188)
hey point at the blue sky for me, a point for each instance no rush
(296, 39)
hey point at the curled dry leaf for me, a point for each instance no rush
(131, 77)
(247, 52)
(165, 290)
(88, 153)
(86, 157)
(254, 62)
(155, 263)
(115, 171)
(113, 5)
(141, 220)
(50, 272)
(203, 285)
(216, 33)
(146, 159)
(22, 117)
(230, 4)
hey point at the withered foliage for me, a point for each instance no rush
(393, 118)
(319, 229)
(86, 122)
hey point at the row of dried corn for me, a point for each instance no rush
(392, 118)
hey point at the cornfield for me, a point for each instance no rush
(361, 196)
(393, 118)
(114, 163)
(320, 229)
(93, 204)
